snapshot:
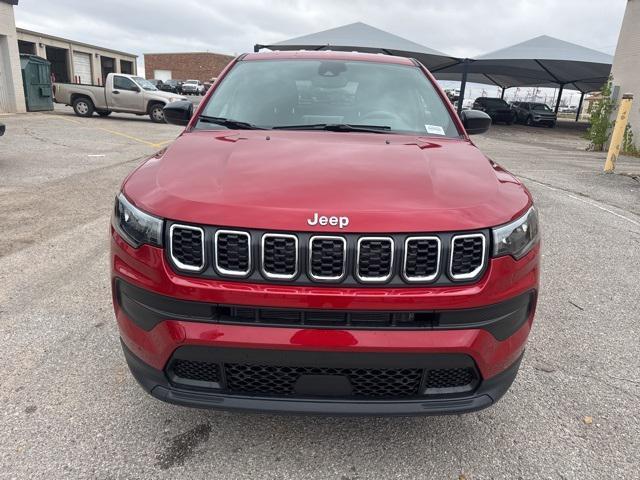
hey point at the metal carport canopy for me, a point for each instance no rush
(365, 38)
(542, 62)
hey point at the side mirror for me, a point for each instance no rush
(2, 129)
(135, 89)
(475, 121)
(178, 113)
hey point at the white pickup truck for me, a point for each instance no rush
(121, 93)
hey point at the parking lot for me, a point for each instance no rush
(71, 408)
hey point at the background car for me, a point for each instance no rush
(156, 83)
(496, 108)
(173, 86)
(193, 87)
(534, 113)
(2, 129)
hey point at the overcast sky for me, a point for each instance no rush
(459, 28)
(234, 26)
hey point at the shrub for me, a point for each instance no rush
(601, 123)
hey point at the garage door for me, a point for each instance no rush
(82, 67)
(162, 75)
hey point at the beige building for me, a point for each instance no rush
(71, 61)
(76, 62)
(626, 64)
(11, 93)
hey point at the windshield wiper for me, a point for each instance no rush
(337, 127)
(229, 123)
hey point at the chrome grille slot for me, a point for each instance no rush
(327, 258)
(279, 256)
(467, 256)
(421, 259)
(233, 253)
(374, 262)
(186, 247)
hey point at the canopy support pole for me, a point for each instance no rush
(502, 94)
(463, 84)
(579, 106)
(559, 98)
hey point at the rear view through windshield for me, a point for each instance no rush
(301, 93)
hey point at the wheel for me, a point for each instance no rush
(156, 113)
(530, 121)
(83, 107)
(551, 125)
(104, 113)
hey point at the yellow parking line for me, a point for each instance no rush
(114, 132)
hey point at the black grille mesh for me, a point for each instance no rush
(467, 255)
(281, 380)
(279, 256)
(375, 258)
(200, 371)
(278, 380)
(450, 378)
(327, 257)
(421, 258)
(233, 252)
(187, 246)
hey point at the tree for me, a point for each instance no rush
(601, 123)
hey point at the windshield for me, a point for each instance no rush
(281, 93)
(145, 84)
(540, 106)
(192, 81)
(495, 102)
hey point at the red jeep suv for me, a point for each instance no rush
(323, 237)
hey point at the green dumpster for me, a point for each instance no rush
(36, 81)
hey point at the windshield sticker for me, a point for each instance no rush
(434, 129)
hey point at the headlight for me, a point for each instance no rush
(135, 226)
(517, 238)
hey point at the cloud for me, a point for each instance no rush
(461, 28)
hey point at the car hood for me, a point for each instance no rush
(277, 180)
(163, 94)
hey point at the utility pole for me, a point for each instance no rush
(618, 132)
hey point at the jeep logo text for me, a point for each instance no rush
(333, 221)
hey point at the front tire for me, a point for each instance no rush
(156, 113)
(83, 107)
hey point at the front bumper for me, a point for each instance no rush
(155, 382)
(160, 312)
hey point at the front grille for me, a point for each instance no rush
(327, 258)
(467, 257)
(306, 258)
(281, 380)
(374, 259)
(421, 259)
(187, 247)
(279, 256)
(198, 371)
(233, 252)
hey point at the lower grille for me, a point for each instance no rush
(281, 380)
(199, 371)
(284, 381)
(446, 378)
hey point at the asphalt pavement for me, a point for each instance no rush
(70, 409)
